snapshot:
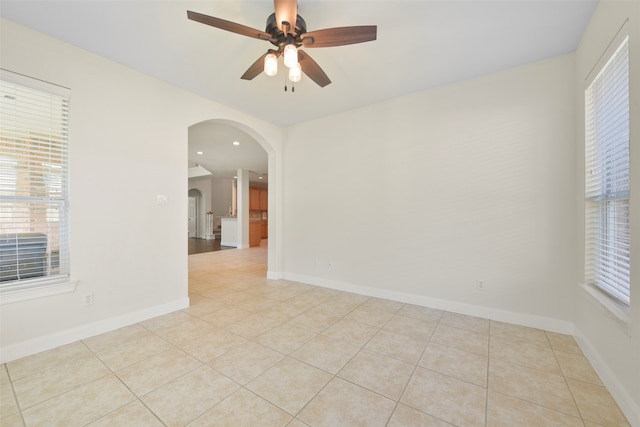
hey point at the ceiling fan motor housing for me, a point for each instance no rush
(294, 36)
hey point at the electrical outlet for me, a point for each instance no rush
(480, 284)
(88, 299)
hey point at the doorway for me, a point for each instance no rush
(195, 201)
(193, 217)
(217, 150)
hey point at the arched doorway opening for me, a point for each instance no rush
(221, 150)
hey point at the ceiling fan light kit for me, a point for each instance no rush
(271, 64)
(295, 73)
(290, 55)
(289, 39)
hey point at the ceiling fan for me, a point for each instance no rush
(287, 31)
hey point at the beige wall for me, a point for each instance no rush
(423, 195)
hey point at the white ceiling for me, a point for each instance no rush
(421, 44)
(220, 157)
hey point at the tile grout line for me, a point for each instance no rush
(294, 416)
(486, 404)
(415, 368)
(13, 392)
(175, 346)
(532, 402)
(82, 384)
(564, 377)
(379, 328)
(244, 386)
(202, 363)
(138, 398)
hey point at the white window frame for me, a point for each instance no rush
(58, 282)
(607, 166)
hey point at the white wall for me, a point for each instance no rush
(419, 197)
(128, 251)
(614, 351)
(217, 197)
(222, 197)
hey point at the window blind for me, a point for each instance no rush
(607, 231)
(34, 219)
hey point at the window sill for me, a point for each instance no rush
(36, 289)
(614, 310)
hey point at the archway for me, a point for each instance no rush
(221, 131)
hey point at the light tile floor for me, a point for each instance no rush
(257, 352)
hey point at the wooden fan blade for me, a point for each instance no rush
(228, 26)
(312, 69)
(255, 69)
(286, 11)
(340, 36)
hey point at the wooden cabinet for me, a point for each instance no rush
(264, 199)
(254, 198)
(258, 199)
(254, 233)
(264, 229)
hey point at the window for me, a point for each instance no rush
(34, 217)
(607, 231)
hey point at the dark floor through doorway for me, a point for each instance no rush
(198, 246)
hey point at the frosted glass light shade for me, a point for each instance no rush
(271, 65)
(295, 73)
(290, 55)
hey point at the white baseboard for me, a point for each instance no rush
(47, 342)
(274, 275)
(622, 397)
(530, 320)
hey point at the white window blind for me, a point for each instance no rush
(34, 223)
(607, 231)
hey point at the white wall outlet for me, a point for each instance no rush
(162, 199)
(480, 284)
(88, 299)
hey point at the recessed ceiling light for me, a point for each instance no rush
(236, 143)
(259, 177)
(199, 152)
(235, 177)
